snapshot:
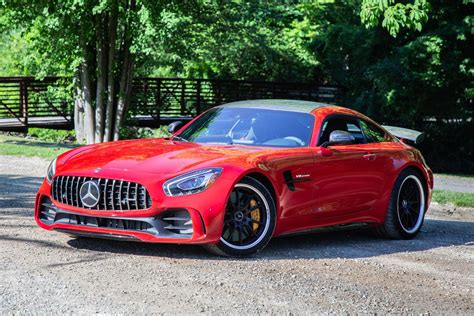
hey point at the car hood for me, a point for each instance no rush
(157, 156)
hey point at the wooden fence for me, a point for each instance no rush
(26, 102)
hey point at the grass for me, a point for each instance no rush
(455, 198)
(461, 175)
(19, 146)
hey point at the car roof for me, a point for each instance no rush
(276, 104)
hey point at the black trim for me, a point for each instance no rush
(79, 233)
(159, 225)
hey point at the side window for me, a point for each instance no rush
(342, 123)
(372, 132)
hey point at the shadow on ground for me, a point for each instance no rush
(330, 245)
(17, 195)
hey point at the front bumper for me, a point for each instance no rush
(194, 219)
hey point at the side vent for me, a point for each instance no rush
(47, 211)
(289, 180)
(178, 222)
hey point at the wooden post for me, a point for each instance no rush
(24, 103)
(183, 91)
(198, 96)
(158, 100)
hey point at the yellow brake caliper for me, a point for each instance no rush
(255, 215)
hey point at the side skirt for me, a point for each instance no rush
(339, 227)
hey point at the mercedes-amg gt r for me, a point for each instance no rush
(238, 175)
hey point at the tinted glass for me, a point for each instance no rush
(250, 126)
(372, 132)
(346, 124)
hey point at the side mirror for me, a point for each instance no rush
(339, 138)
(174, 127)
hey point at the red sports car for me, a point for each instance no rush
(239, 174)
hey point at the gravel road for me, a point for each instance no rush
(340, 272)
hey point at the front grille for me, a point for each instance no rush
(114, 195)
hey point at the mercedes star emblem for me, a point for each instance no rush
(89, 193)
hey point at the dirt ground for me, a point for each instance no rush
(339, 272)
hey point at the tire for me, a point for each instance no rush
(406, 211)
(249, 220)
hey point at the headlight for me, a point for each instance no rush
(193, 182)
(51, 171)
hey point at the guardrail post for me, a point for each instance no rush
(182, 100)
(24, 102)
(158, 99)
(198, 96)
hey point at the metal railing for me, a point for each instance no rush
(27, 102)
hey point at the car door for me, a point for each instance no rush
(347, 177)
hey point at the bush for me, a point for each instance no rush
(162, 132)
(52, 135)
(132, 132)
(449, 147)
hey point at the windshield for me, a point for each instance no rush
(250, 126)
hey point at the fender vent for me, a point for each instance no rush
(289, 180)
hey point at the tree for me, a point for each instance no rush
(99, 42)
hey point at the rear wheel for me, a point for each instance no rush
(249, 220)
(406, 210)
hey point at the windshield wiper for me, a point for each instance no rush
(180, 139)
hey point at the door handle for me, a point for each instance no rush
(369, 156)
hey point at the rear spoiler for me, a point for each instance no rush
(405, 134)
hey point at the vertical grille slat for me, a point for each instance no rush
(105, 193)
(77, 190)
(55, 186)
(61, 195)
(115, 195)
(120, 194)
(66, 191)
(128, 196)
(136, 196)
(70, 194)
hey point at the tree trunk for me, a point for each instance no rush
(111, 74)
(101, 81)
(87, 104)
(78, 110)
(107, 66)
(124, 90)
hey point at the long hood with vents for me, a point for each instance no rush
(157, 156)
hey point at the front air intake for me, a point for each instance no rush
(177, 222)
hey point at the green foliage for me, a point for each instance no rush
(402, 80)
(52, 135)
(161, 132)
(132, 132)
(235, 39)
(456, 198)
(395, 15)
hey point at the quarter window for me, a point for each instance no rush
(372, 132)
(341, 123)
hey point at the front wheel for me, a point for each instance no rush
(249, 220)
(406, 209)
